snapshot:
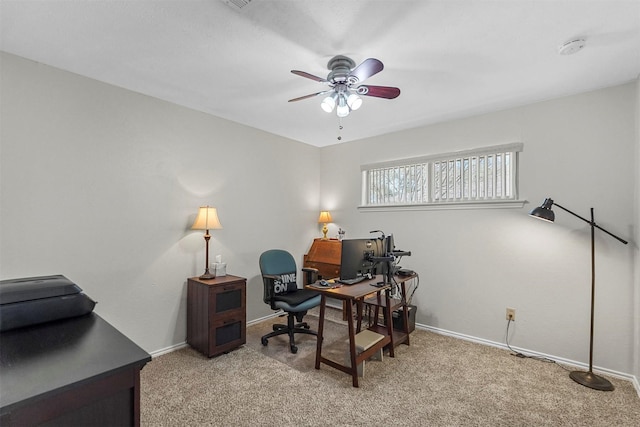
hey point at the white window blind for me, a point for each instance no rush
(486, 174)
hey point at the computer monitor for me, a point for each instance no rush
(354, 261)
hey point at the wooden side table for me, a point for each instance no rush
(216, 314)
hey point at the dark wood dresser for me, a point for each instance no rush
(79, 371)
(216, 314)
(325, 255)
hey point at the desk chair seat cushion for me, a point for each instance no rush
(295, 302)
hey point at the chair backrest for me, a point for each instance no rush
(275, 262)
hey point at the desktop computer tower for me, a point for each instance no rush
(398, 318)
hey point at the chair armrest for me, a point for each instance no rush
(311, 275)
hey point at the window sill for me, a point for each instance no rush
(494, 204)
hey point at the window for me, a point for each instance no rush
(472, 177)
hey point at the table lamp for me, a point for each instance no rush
(324, 218)
(207, 219)
(587, 379)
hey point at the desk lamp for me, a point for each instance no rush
(324, 218)
(587, 379)
(207, 219)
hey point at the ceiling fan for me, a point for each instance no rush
(344, 81)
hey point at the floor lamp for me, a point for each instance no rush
(587, 379)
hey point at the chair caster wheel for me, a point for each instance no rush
(264, 341)
(307, 327)
(294, 349)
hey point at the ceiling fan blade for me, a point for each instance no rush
(309, 96)
(309, 76)
(366, 69)
(379, 91)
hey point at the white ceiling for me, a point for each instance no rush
(451, 59)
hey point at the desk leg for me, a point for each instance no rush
(323, 304)
(405, 312)
(359, 314)
(387, 310)
(352, 344)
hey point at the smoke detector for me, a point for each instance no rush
(571, 47)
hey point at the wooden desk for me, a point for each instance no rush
(350, 294)
(76, 371)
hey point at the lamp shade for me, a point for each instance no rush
(329, 103)
(544, 212)
(343, 108)
(325, 217)
(354, 101)
(207, 219)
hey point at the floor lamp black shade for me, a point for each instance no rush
(587, 379)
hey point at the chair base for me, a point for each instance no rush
(290, 329)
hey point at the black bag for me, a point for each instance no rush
(34, 300)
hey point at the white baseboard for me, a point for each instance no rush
(262, 319)
(580, 365)
(169, 349)
(636, 384)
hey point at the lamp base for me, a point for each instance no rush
(207, 275)
(591, 380)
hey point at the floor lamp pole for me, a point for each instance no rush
(589, 379)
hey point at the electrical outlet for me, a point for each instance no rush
(511, 314)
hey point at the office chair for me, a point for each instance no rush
(278, 269)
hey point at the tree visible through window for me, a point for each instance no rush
(481, 175)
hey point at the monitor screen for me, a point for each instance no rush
(354, 259)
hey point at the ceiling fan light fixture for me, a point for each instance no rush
(342, 111)
(354, 101)
(343, 108)
(329, 103)
(344, 96)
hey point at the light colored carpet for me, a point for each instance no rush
(335, 345)
(437, 381)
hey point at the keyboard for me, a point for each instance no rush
(352, 281)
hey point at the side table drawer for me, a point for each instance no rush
(227, 333)
(226, 298)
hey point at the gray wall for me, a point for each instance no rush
(101, 184)
(473, 264)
